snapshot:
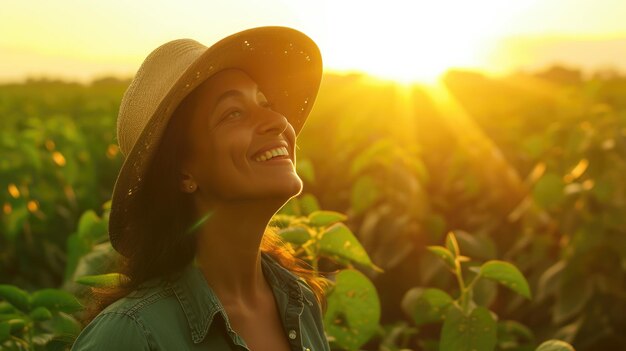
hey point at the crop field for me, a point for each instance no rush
(487, 215)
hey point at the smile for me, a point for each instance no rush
(270, 154)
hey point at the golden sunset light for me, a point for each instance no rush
(400, 40)
(335, 175)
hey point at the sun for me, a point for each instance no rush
(413, 40)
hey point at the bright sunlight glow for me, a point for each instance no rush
(414, 41)
(402, 40)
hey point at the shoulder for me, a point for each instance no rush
(113, 331)
(148, 296)
(125, 324)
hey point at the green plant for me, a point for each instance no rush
(569, 141)
(41, 320)
(466, 323)
(44, 319)
(353, 307)
(59, 159)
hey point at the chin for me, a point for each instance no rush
(293, 188)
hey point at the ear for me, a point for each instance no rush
(187, 184)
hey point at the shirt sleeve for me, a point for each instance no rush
(112, 331)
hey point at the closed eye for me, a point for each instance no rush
(267, 104)
(235, 113)
(232, 114)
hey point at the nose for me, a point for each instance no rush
(271, 121)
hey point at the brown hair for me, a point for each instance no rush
(160, 245)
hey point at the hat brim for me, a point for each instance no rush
(285, 63)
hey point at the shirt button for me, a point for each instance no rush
(292, 334)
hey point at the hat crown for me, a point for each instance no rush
(155, 78)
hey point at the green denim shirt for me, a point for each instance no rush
(185, 314)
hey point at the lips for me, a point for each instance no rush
(261, 152)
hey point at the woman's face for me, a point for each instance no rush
(233, 139)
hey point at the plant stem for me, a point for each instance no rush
(463, 300)
(31, 334)
(470, 286)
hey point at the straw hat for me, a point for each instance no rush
(285, 63)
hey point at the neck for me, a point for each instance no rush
(228, 249)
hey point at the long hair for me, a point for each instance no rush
(160, 245)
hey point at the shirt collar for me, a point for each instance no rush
(200, 303)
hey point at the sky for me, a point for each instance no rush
(402, 40)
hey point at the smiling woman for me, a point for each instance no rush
(209, 136)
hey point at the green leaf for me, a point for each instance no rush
(548, 191)
(281, 221)
(550, 279)
(534, 145)
(426, 305)
(304, 168)
(91, 227)
(297, 235)
(353, 310)
(63, 325)
(291, 208)
(573, 296)
(364, 194)
(555, 345)
(444, 254)
(325, 218)
(14, 222)
(604, 190)
(476, 332)
(93, 263)
(41, 314)
(77, 247)
(16, 324)
(6, 307)
(338, 240)
(507, 275)
(308, 204)
(15, 296)
(375, 153)
(452, 245)
(5, 331)
(43, 339)
(102, 280)
(514, 330)
(485, 291)
(56, 300)
(435, 226)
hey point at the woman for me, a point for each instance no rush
(209, 137)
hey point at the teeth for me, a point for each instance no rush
(279, 151)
